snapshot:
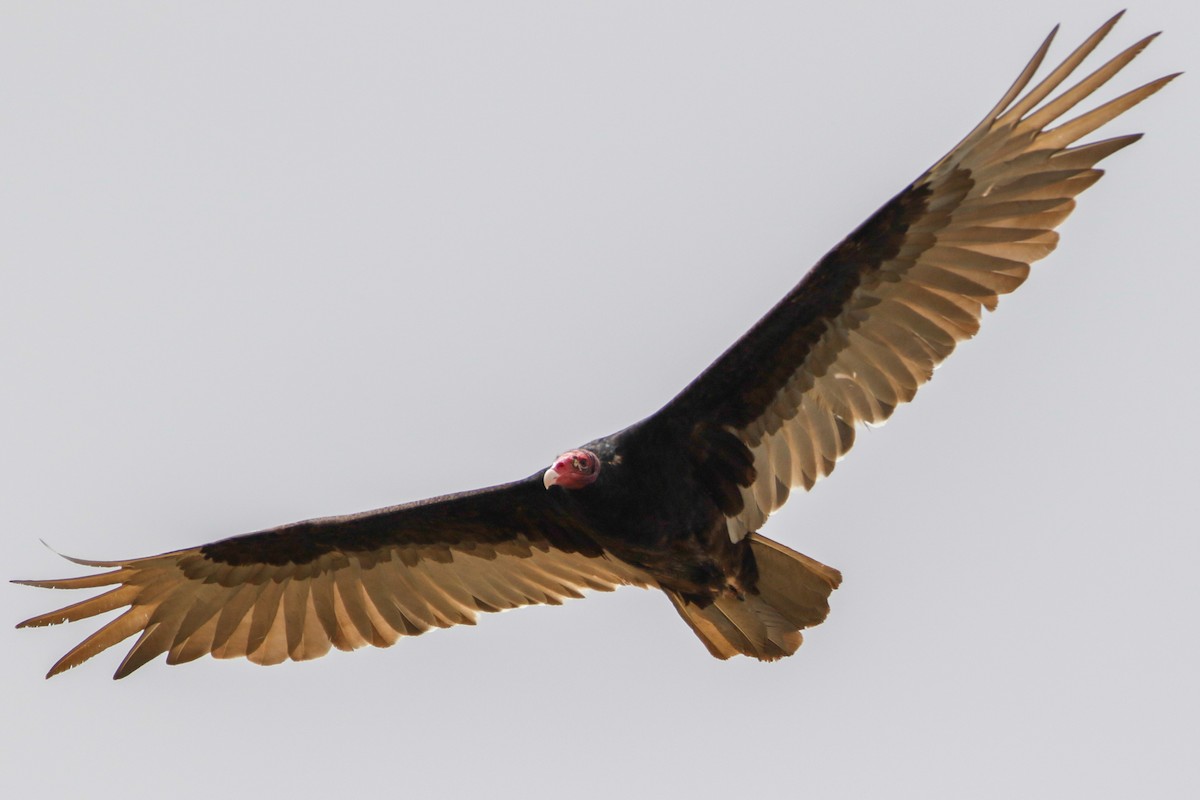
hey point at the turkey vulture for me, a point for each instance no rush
(675, 501)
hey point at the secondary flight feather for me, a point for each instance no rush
(676, 501)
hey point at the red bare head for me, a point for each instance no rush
(573, 470)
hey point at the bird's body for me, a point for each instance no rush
(676, 501)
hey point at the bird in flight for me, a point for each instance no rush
(676, 501)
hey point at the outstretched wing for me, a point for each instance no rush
(866, 327)
(345, 582)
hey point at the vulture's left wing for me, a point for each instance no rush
(367, 579)
(866, 327)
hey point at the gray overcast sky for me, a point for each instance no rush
(268, 261)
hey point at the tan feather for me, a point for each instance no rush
(991, 207)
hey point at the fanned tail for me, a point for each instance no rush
(792, 594)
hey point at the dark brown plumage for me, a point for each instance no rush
(675, 501)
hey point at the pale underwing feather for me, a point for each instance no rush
(991, 207)
(343, 600)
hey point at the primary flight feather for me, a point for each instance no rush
(675, 501)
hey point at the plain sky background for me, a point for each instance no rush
(268, 261)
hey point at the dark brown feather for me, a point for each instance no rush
(740, 385)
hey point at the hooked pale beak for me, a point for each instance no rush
(550, 478)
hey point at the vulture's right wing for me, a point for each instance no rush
(345, 582)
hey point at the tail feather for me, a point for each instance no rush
(792, 594)
(794, 584)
